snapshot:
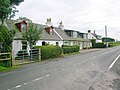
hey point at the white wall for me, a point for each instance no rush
(91, 36)
(39, 43)
(16, 46)
(98, 40)
(75, 34)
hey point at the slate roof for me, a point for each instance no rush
(10, 24)
(65, 36)
(46, 36)
(97, 36)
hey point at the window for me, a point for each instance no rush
(24, 45)
(23, 27)
(43, 43)
(57, 43)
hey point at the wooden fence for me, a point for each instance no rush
(6, 56)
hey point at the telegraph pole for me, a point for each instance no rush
(106, 36)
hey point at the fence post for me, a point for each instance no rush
(12, 62)
(23, 57)
(39, 54)
(30, 54)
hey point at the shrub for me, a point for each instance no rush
(70, 49)
(5, 63)
(98, 45)
(48, 52)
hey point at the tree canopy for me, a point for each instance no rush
(108, 39)
(15, 2)
(25, 19)
(6, 38)
(4, 9)
(8, 9)
(32, 34)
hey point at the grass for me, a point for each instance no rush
(3, 69)
(71, 53)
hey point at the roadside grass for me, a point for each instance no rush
(3, 69)
(70, 54)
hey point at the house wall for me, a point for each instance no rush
(71, 43)
(98, 41)
(85, 36)
(91, 36)
(39, 43)
(16, 46)
(81, 45)
(74, 34)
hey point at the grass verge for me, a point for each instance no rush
(3, 69)
(70, 54)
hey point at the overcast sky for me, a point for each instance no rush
(80, 15)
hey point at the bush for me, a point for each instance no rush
(98, 45)
(70, 49)
(5, 63)
(48, 52)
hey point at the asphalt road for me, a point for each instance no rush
(77, 72)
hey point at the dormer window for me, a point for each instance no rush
(22, 26)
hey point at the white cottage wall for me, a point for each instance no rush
(39, 43)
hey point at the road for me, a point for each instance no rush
(84, 71)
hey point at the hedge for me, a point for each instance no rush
(48, 52)
(70, 49)
(98, 45)
(5, 63)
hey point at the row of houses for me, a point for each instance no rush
(51, 35)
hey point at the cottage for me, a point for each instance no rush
(50, 36)
(94, 36)
(83, 40)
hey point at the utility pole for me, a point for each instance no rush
(106, 36)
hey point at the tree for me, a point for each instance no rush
(15, 2)
(108, 39)
(4, 9)
(6, 38)
(25, 19)
(8, 9)
(32, 34)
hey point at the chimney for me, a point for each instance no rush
(94, 31)
(49, 26)
(89, 31)
(48, 23)
(61, 25)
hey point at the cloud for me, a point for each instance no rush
(76, 14)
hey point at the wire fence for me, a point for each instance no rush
(24, 56)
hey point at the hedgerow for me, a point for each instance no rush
(70, 49)
(48, 52)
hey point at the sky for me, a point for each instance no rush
(79, 15)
